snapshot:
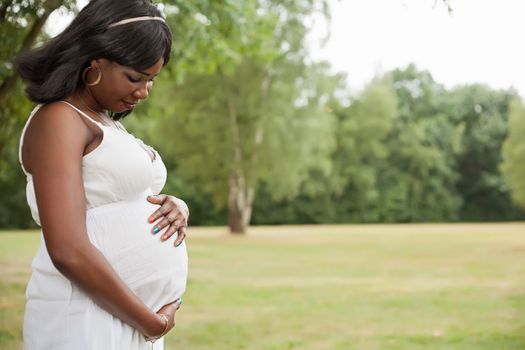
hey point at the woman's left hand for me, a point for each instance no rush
(173, 213)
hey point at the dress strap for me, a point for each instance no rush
(82, 113)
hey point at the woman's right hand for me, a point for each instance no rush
(167, 311)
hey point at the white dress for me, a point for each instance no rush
(118, 176)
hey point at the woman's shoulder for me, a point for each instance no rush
(56, 118)
(53, 130)
(55, 110)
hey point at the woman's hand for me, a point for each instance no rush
(173, 213)
(167, 312)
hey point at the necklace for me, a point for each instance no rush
(103, 116)
(149, 150)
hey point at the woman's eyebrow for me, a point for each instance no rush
(146, 74)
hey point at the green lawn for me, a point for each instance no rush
(331, 287)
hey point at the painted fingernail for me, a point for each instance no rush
(178, 244)
(164, 237)
(151, 219)
(155, 229)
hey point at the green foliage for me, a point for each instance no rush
(483, 115)
(14, 212)
(513, 166)
(407, 164)
(363, 130)
(420, 175)
(17, 20)
(213, 35)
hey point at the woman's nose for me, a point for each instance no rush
(143, 92)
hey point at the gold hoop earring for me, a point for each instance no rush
(97, 81)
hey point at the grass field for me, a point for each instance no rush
(360, 287)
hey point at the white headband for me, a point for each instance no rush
(136, 19)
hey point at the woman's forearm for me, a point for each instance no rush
(85, 265)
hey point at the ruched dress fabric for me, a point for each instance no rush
(118, 175)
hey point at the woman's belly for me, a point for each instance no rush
(154, 269)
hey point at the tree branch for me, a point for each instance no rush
(3, 9)
(30, 38)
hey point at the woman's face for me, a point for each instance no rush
(121, 87)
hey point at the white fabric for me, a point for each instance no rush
(118, 175)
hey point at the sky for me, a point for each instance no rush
(480, 42)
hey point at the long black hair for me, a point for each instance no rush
(54, 70)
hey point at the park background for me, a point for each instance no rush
(256, 129)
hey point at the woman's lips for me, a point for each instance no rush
(129, 105)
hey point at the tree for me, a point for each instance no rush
(250, 119)
(361, 134)
(513, 166)
(418, 181)
(483, 115)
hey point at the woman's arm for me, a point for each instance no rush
(54, 144)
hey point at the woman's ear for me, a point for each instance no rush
(98, 63)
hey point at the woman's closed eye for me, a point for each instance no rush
(133, 79)
(138, 80)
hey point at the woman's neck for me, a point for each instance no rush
(85, 101)
(88, 101)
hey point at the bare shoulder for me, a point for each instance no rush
(55, 127)
(56, 115)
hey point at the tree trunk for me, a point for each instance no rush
(242, 183)
(240, 204)
(236, 205)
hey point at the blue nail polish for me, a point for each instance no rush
(178, 244)
(155, 229)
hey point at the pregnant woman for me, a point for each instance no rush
(105, 276)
